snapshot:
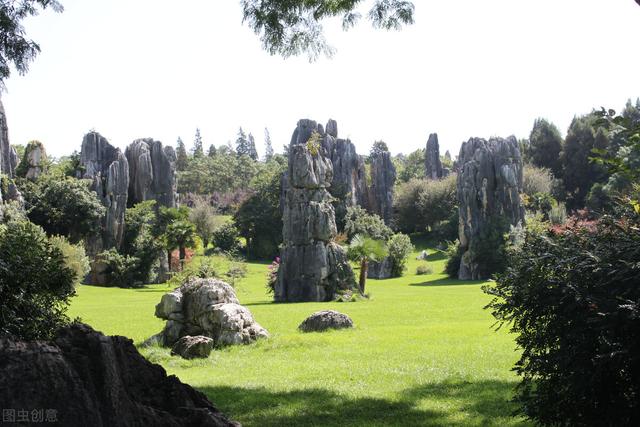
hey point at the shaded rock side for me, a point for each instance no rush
(489, 184)
(380, 270)
(189, 347)
(34, 162)
(207, 307)
(312, 267)
(152, 172)
(383, 179)
(90, 379)
(432, 164)
(8, 155)
(108, 169)
(324, 320)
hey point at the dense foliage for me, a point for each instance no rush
(572, 298)
(359, 221)
(399, 248)
(35, 282)
(545, 146)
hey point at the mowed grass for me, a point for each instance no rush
(423, 353)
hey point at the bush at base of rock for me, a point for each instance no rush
(190, 347)
(423, 269)
(325, 320)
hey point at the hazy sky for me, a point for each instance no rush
(160, 68)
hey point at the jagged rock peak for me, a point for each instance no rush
(8, 155)
(34, 161)
(152, 172)
(433, 165)
(383, 178)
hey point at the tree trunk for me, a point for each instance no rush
(183, 253)
(364, 268)
(169, 258)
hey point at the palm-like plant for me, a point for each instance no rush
(365, 249)
(181, 234)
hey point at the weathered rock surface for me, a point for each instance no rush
(380, 270)
(488, 186)
(189, 347)
(423, 256)
(152, 172)
(8, 155)
(326, 319)
(207, 307)
(432, 163)
(108, 169)
(88, 379)
(312, 267)
(383, 178)
(34, 162)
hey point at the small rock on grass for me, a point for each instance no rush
(190, 347)
(326, 319)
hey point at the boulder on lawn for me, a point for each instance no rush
(189, 347)
(326, 319)
(207, 307)
(423, 256)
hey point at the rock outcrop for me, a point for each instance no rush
(324, 320)
(152, 172)
(488, 186)
(312, 268)
(432, 164)
(8, 155)
(207, 307)
(383, 178)
(189, 347)
(380, 270)
(34, 162)
(349, 184)
(108, 169)
(84, 378)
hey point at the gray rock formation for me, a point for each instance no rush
(312, 268)
(84, 378)
(349, 184)
(207, 307)
(383, 178)
(423, 256)
(380, 270)
(189, 347)
(432, 164)
(152, 172)
(108, 169)
(34, 162)
(326, 319)
(8, 155)
(488, 186)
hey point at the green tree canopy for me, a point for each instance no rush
(545, 145)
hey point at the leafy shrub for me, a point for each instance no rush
(359, 221)
(558, 214)
(74, 257)
(139, 241)
(226, 237)
(203, 268)
(399, 247)
(536, 180)
(204, 217)
(489, 250)
(422, 204)
(35, 282)
(572, 297)
(121, 270)
(454, 256)
(272, 275)
(423, 269)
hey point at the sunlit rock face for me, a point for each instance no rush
(312, 268)
(152, 172)
(488, 186)
(432, 164)
(108, 169)
(8, 155)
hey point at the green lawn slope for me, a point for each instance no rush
(423, 353)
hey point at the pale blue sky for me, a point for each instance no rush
(160, 68)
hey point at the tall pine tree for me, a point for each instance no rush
(268, 147)
(242, 144)
(198, 151)
(212, 151)
(182, 159)
(251, 145)
(545, 146)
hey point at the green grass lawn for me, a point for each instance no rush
(423, 353)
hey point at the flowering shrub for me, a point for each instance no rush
(272, 275)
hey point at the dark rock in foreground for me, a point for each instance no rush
(380, 270)
(190, 347)
(326, 319)
(84, 378)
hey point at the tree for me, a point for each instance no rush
(35, 282)
(63, 206)
(359, 221)
(377, 148)
(198, 151)
(364, 249)
(15, 48)
(411, 166)
(166, 217)
(242, 144)
(182, 159)
(268, 147)
(203, 216)
(399, 248)
(545, 145)
(212, 151)
(251, 146)
(181, 234)
(294, 27)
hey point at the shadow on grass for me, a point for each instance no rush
(447, 282)
(479, 403)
